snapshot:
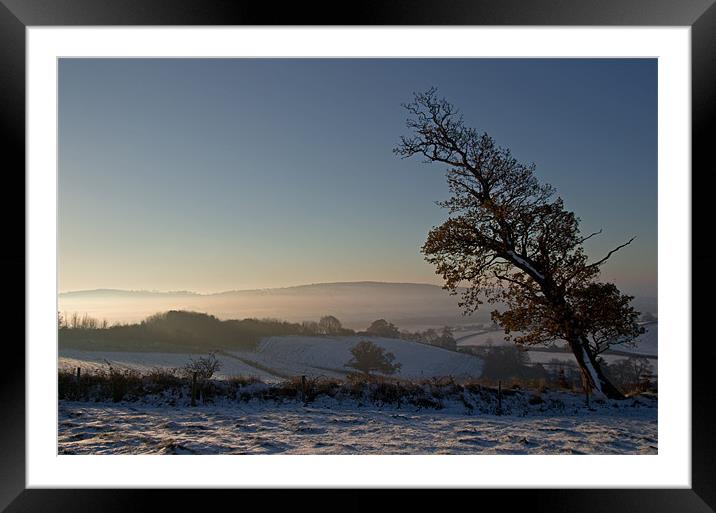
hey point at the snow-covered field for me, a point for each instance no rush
(482, 338)
(277, 358)
(316, 356)
(545, 357)
(90, 361)
(462, 423)
(330, 427)
(646, 344)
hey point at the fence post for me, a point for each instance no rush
(499, 397)
(587, 389)
(193, 389)
(77, 384)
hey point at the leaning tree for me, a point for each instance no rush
(509, 240)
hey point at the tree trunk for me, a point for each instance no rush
(594, 380)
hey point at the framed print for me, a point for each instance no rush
(416, 248)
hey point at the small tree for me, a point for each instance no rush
(383, 328)
(368, 357)
(330, 325)
(204, 367)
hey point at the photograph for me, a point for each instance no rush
(357, 256)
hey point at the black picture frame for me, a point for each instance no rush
(16, 15)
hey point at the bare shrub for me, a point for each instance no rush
(161, 379)
(123, 382)
(204, 367)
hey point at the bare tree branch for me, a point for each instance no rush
(595, 264)
(590, 236)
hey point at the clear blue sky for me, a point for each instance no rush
(220, 174)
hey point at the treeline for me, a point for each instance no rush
(77, 321)
(181, 331)
(329, 325)
(174, 331)
(444, 338)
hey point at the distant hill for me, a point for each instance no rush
(107, 293)
(408, 305)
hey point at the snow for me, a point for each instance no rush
(485, 338)
(278, 358)
(593, 374)
(324, 356)
(90, 361)
(462, 422)
(646, 343)
(545, 357)
(334, 427)
(525, 263)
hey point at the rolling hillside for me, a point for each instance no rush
(284, 357)
(316, 356)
